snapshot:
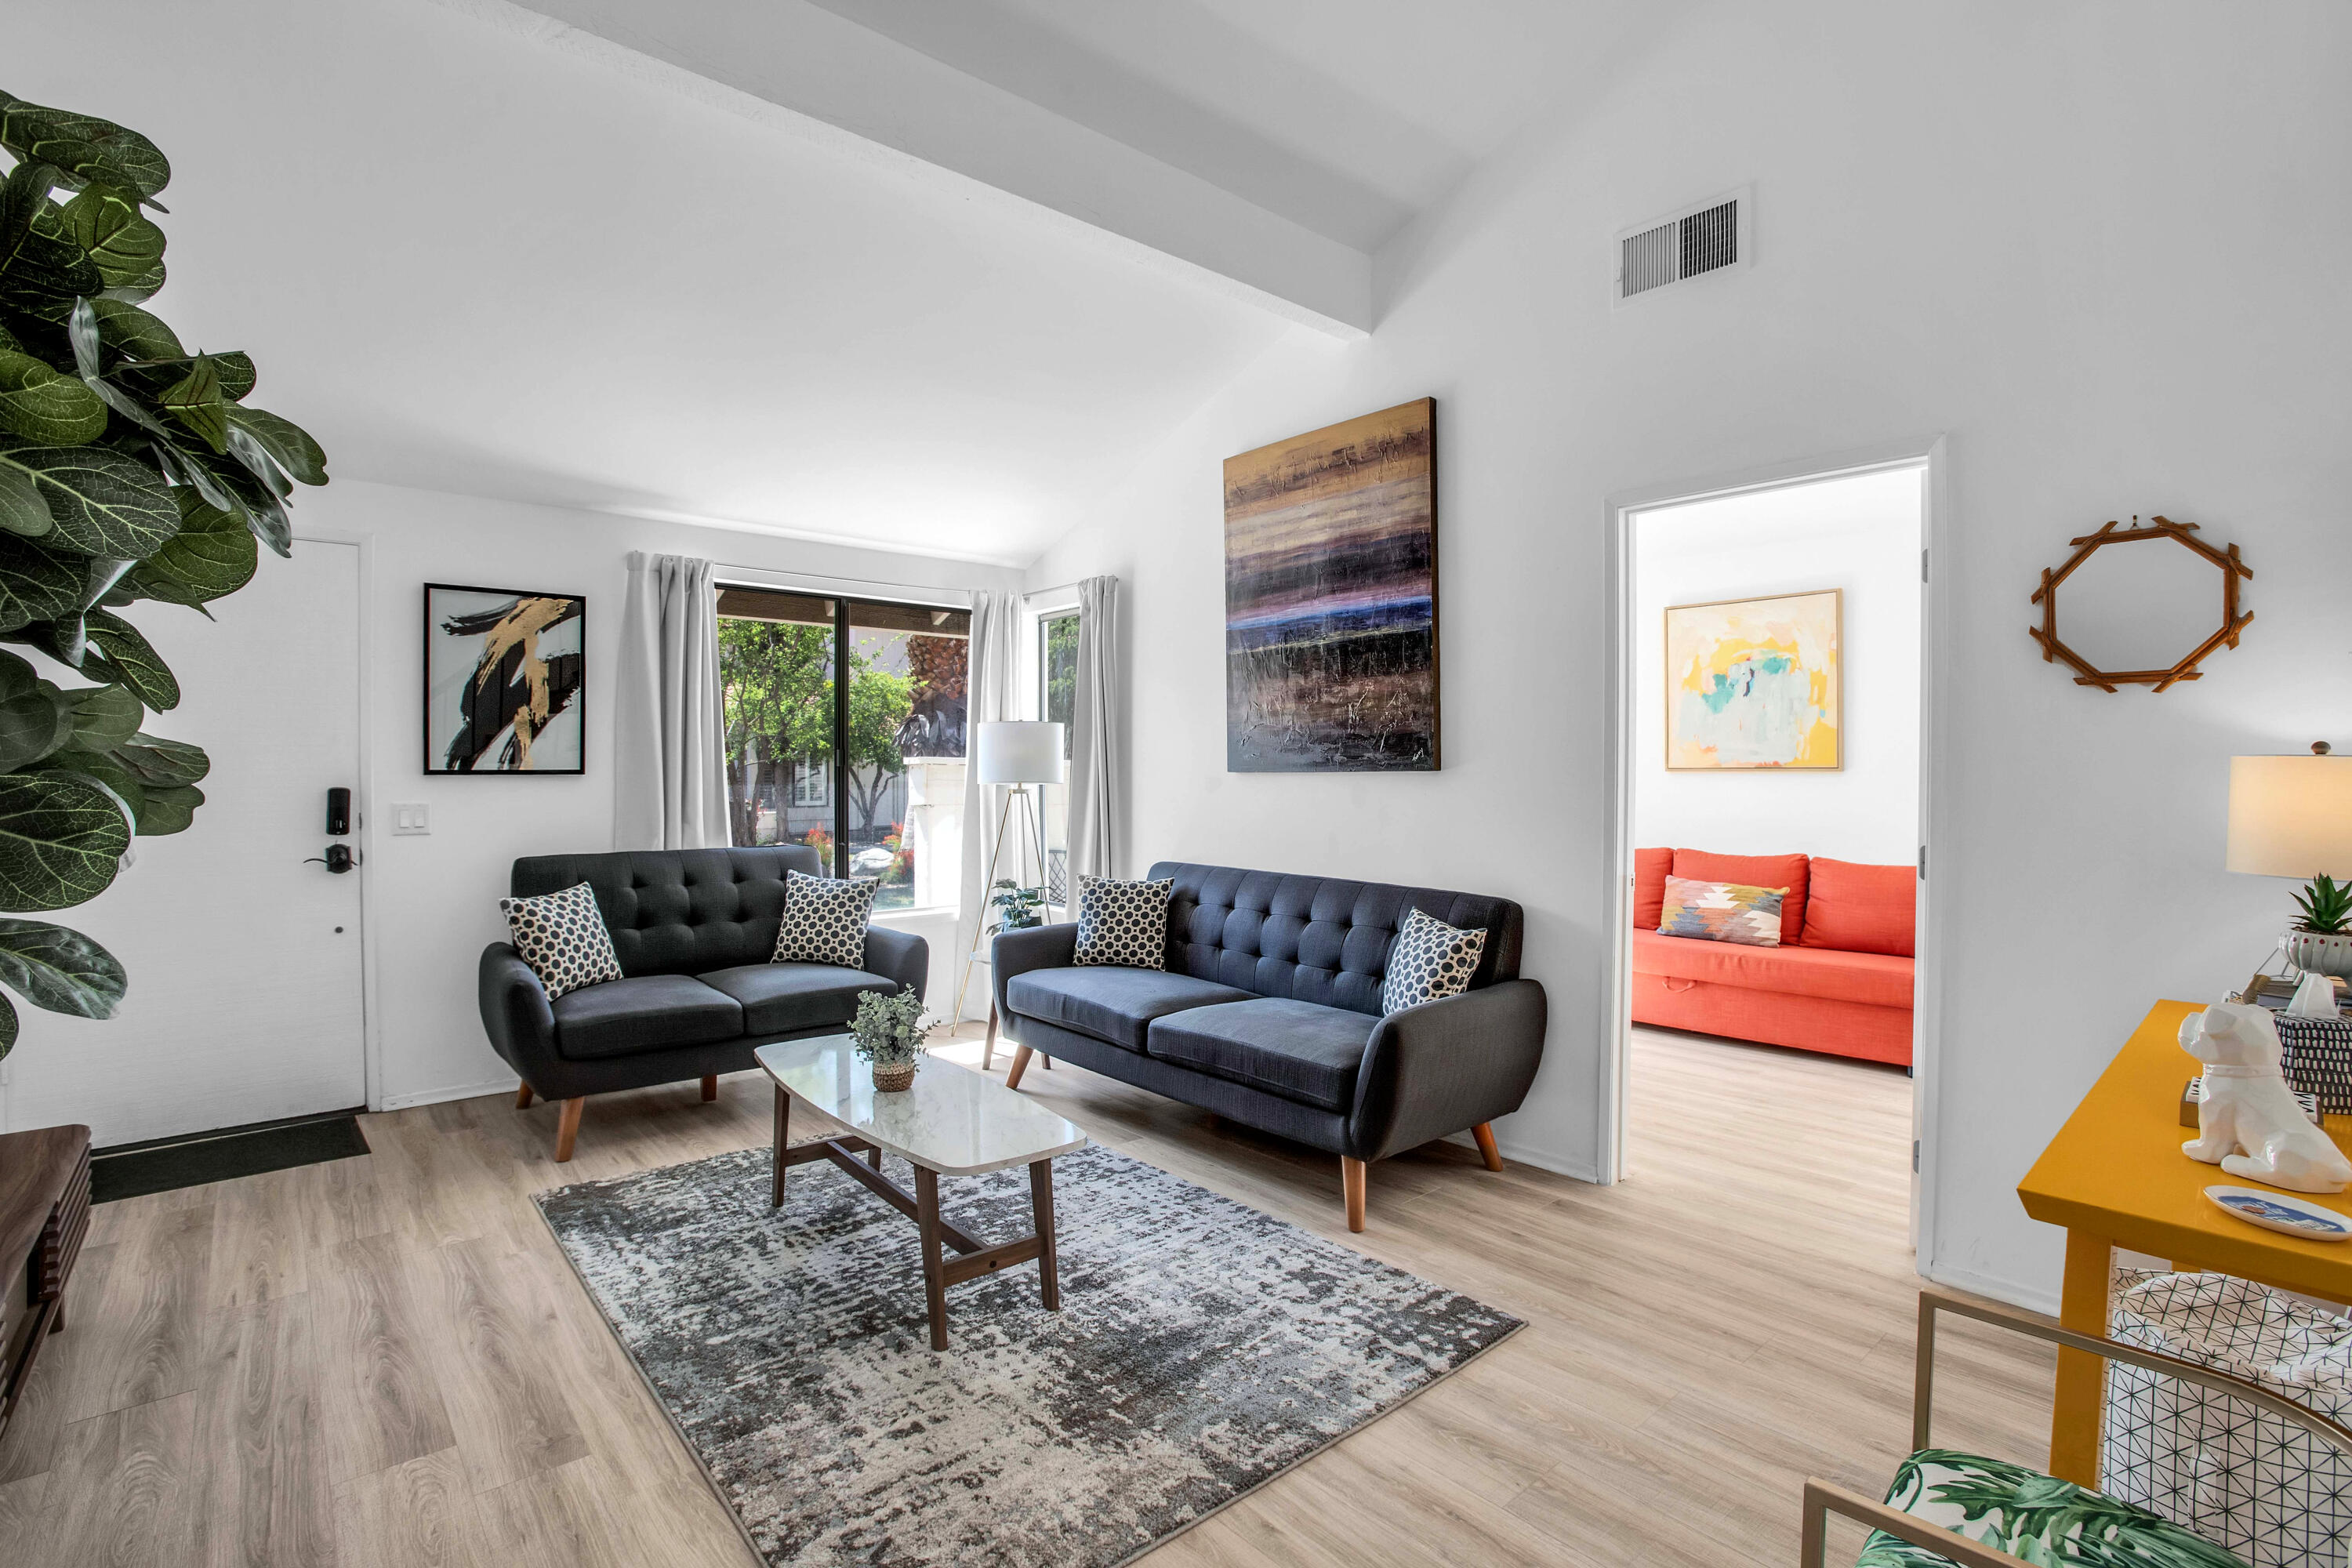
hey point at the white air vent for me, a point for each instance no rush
(1707, 238)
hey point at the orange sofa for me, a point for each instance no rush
(1840, 982)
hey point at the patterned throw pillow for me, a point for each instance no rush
(1124, 922)
(562, 937)
(2022, 1512)
(1429, 958)
(824, 919)
(1722, 911)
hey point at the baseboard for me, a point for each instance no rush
(2033, 1299)
(455, 1091)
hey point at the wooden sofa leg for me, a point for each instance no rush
(709, 1086)
(1020, 1066)
(523, 1098)
(988, 1046)
(1485, 1133)
(567, 1129)
(1351, 1183)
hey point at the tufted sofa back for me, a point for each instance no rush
(679, 911)
(1315, 939)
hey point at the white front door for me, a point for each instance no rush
(245, 1002)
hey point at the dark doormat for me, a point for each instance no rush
(162, 1165)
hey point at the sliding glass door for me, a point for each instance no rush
(868, 770)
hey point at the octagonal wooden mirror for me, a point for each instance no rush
(2144, 617)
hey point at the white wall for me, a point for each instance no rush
(434, 899)
(1858, 534)
(2098, 245)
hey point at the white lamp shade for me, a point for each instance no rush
(2291, 817)
(1019, 753)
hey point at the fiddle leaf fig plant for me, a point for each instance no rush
(130, 470)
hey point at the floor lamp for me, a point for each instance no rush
(1016, 754)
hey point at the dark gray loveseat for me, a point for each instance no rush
(1269, 1013)
(693, 929)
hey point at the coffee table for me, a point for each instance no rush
(952, 1122)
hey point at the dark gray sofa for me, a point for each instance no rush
(693, 930)
(1269, 1013)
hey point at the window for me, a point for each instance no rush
(870, 773)
(1057, 689)
(811, 780)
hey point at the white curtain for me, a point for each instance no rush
(1098, 794)
(669, 737)
(989, 678)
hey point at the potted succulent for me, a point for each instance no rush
(2321, 942)
(889, 1033)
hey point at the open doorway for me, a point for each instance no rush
(1771, 806)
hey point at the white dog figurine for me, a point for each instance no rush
(2248, 1106)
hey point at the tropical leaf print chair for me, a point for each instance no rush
(1950, 1509)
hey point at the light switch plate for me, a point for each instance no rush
(410, 819)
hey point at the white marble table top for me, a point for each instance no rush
(954, 1120)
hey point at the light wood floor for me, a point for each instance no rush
(385, 1361)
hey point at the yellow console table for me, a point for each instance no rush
(2114, 1177)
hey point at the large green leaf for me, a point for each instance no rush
(59, 969)
(285, 442)
(159, 762)
(37, 583)
(126, 331)
(104, 717)
(40, 265)
(264, 513)
(85, 147)
(7, 1028)
(195, 400)
(35, 717)
(102, 501)
(22, 510)
(212, 556)
(42, 406)
(168, 808)
(61, 840)
(133, 659)
(146, 286)
(120, 240)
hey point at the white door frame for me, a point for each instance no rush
(1616, 1025)
(364, 833)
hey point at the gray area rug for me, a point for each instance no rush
(1202, 1347)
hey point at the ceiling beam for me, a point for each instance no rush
(797, 67)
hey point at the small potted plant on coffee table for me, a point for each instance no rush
(2321, 942)
(891, 1035)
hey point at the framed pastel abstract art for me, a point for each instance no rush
(1754, 683)
(502, 681)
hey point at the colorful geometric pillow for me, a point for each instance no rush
(2022, 1512)
(562, 937)
(1722, 911)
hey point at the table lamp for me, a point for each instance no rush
(2292, 816)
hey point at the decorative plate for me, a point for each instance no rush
(2283, 1211)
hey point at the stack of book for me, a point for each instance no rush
(2276, 991)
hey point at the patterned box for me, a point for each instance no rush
(2317, 1055)
(2267, 1491)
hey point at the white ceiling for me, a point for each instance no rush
(471, 260)
(1348, 116)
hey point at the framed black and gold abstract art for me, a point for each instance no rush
(503, 681)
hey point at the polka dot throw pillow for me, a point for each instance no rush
(1429, 958)
(824, 919)
(562, 937)
(1123, 922)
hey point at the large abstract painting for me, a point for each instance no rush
(1331, 599)
(1753, 683)
(502, 681)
